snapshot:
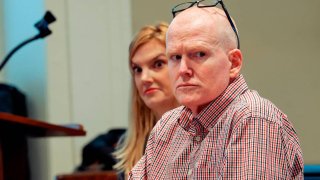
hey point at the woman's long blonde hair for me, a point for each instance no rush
(143, 119)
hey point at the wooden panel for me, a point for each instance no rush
(35, 128)
(14, 131)
(1, 161)
(101, 175)
(14, 152)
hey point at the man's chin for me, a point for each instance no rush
(186, 102)
(194, 104)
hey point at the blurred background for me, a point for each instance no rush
(79, 74)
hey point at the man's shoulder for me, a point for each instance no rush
(168, 123)
(172, 114)
(256, 106)
(171, 117)
(262, 109)
(253, 109)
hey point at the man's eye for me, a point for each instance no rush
(136, 69)
(176, 58)
(199, 54)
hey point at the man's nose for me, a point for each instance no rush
(184, 68)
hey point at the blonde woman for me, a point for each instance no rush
(151, 92)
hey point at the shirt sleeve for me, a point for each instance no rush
(293, 150)
(262, 149)
(140, 170)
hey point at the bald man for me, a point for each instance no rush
(223, 130)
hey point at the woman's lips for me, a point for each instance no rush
(150, 91)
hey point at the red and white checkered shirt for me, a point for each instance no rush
(239, 135)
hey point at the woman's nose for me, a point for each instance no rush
(146, 76)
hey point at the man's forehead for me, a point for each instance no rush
(195, 15)
(191, 39)
(191, 12)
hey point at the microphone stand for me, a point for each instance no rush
(42, 26)
(6, 59)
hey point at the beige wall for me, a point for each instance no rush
(88, 78)
(280, 42)
(150, 12)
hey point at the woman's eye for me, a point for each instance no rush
(136, 69)
(158, 64)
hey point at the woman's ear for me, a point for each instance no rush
(235, 57)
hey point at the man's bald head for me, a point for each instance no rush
(203, 56)
(211, 18)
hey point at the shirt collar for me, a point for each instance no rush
(210, 114)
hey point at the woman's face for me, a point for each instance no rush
(150, 70)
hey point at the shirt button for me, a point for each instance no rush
(189, 172)
(198, 138)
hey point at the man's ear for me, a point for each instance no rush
(235, 57)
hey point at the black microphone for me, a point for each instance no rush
(42, 25)
(44, 31)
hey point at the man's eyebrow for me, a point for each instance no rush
(170, 50)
